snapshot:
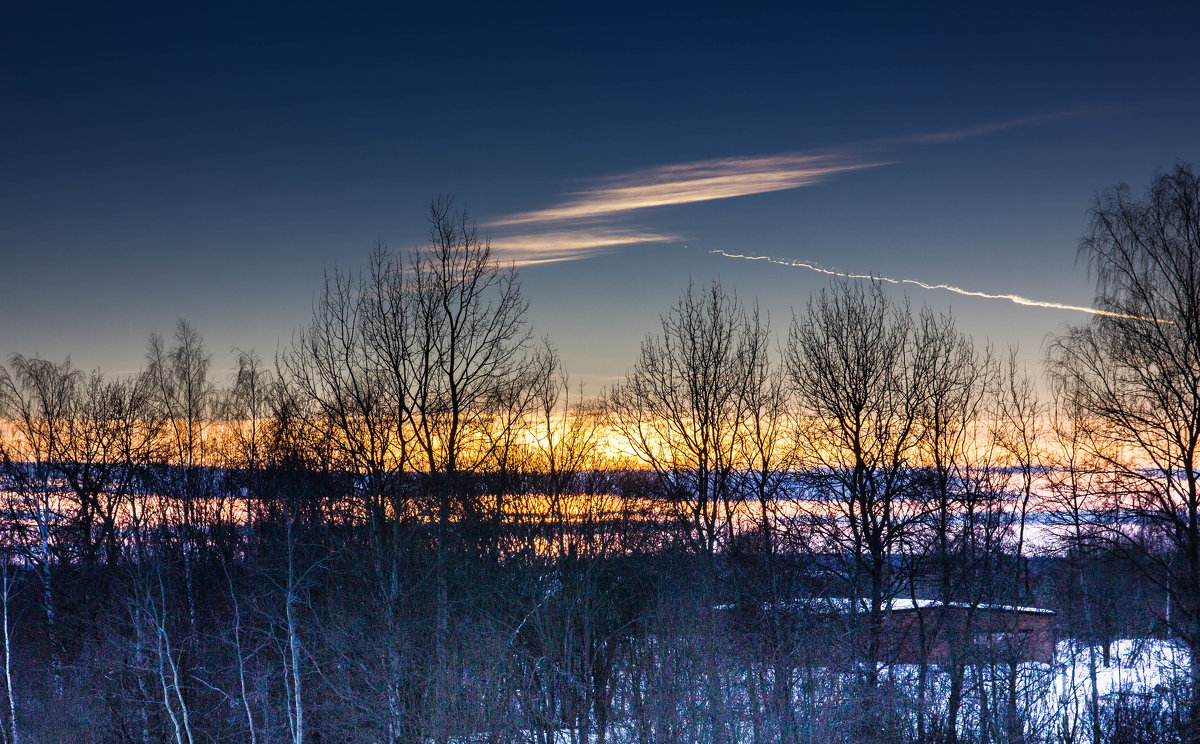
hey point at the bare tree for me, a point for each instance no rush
(1135, 374)
(566, 443)
(419, 365)
(861, 372)
(108, 435)
(182, 396)
(345, 365)
(766, 456)
(183, 391)
(247, 413)
(351, 367)
(1019, 422)
(37, 397)
(684, 408)
(506, 437)
(766, 449)
(955, 461)
(1073, 486)
(471, 342)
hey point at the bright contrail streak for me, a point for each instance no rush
(1018, 299)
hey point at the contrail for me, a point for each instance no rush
(1017, 299)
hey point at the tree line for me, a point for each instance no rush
(409, 526)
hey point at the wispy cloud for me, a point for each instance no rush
(991, 127)
(569, 245)
(586, 222)
(687, 183)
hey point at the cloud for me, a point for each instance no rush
(687, 183)
(993, 127)
(568, 245)
(584, 223)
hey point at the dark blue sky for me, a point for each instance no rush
(208, 163)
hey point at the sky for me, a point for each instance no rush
(209, 162)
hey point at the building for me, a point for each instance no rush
(916, 630)
(980, 633)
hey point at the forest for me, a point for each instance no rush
(410, 525)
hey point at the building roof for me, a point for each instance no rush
(842, 604)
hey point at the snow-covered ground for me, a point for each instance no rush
(1056, 700)
(1145, 666)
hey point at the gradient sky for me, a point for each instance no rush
(209, 163)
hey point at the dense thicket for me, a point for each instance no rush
(411, 527)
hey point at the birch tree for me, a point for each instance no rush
(1134, 373)
(37, 398)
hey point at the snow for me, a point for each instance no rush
(841, 604)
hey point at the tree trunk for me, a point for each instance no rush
(294, 645)
(1193, 732)
(48, 598)
(1016, 727)
(954, 704)
(12, 703)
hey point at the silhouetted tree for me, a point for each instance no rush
(1134, 373)
(862, 370)
(683, 410)
(38, 397)
(470, 346)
